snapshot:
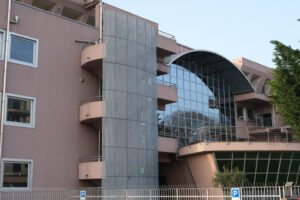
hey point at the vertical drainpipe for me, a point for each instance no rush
(273, 117)
(4, 81)
(100, 85)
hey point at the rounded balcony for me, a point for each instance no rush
(91, 58)
(90, 168)
(91, 111)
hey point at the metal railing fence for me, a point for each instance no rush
(90, 159)
(240, 134)
(167, 35)
(91, 99)
(165, 83)
(165, 193)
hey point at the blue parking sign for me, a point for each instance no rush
(82, 194)
(235, 194)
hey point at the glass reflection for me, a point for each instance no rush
(205, 103)
(262, 168)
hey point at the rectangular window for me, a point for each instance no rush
(240, 113)
(17, 174)
(20, 111)
(2, 36)
(23, 50)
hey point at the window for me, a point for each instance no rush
(240, 113)
(23, 50)
(2, 36)
(251, 114)
(17, 174)
(20, 111)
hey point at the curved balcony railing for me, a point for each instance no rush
(165, 34)
(90, 168)
(230, 134)
(90, 159)
(92, 56)
(91, 111)
(91, 99)
(168, 84)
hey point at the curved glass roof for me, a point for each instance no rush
(237, 81)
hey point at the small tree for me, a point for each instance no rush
(285, 85)
(229, 178)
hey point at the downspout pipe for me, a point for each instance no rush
(100, 78)
(101, 21)
(4, 81)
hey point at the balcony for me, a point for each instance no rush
(91, 111)
(91, 58)
(162, 69)
(166, 95)
(252, 98)
(166, 44)
(90, 168)
(208, 134)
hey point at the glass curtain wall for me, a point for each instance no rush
(263, 168)
(205, 104)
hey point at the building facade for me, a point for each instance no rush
(97, 96)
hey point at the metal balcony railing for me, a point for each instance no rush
(264, 122)
(90, 159)
(244, 133)
(167, 35)
(91, 99)
(228, 134)
(168, 84)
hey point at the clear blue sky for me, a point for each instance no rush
(233, 28)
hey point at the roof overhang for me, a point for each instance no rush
(236, 80)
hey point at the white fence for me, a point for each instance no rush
(246, 193)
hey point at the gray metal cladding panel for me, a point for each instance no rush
(129, 129)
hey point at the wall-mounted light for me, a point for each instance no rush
(16, 20)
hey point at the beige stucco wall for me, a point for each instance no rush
(90, 111)
(176, 172)
(203, 168)
(166, 93)
(58, 139)
(167, 145)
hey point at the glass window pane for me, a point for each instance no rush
(263, 155)
(239, 155)
(275, 155)
(262, 166)
(15, 175)
(252, 155)
(18, 110)
(223, 155)
(224, 163)
(260, 179)
(271, 179)
(22, 49)
(282, 179)
(250, 178)
(286, 155)
(273, 166)
(250, 165)
(296, 155)
(292, 178)
(238, 164)
(284, 167)
(295, 166)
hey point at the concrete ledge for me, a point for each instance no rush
(167, 145)
(237, 146)
(90, 170)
